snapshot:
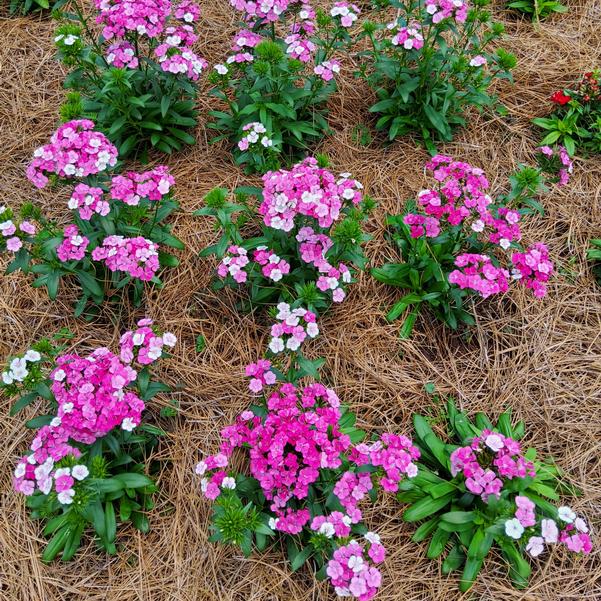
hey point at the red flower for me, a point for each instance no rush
(560, 98)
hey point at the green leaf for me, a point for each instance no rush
(454, 560)
(437, 544)
(301, 557)
(23, 402)
(426, 507)
(56, 544)
(110, 522)
(73, 542)
(436, 119)
(424, 531)
(133, 480)
(89, 284)
(165, 102)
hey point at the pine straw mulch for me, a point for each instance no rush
(541, 359)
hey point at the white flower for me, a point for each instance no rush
(79, 472)
(229, 483)
(566, 514)
(513, 528)
(201, 468)
(312, 330)
(276, 345)
(581, 525)
(18, 369)
(293, 344)
(56, 422)
(128, 424)
(535, 546)
(45, 485)
(7, 378)
(355, 563)
(272, 523)
(373, 538)
(504, 243)
(342, 591)
(548, 529)
(20, 470)
(327, 529)
(59, 375)
(32, 356)
(66, 496)
(478, 225)
(283, 311)
(62, 471)
(494, 442)
(138, 338)
(411, 470)
(169, 339)
(67, 407)
(221, 69)
(204, 483)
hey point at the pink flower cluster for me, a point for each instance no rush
(233, 264)
(347, 12)
(327, 69)
(332, 279)
(574, 534)
(144, 17)
(8, 229)
(566, 164)
(246, 38)
(462, 196)
(180, 60)
(533, 268)
(306, 189)
(92, 400)
(298, 437)
(272, 266)
(257, 133)
(477, 272)
(351, 574)
(122, 54)
(270, 10)
(490, 458)
(74, 245)
(409, 38)
(290, 332)
(144, 344)
(447, 9)
(137, 256)
(75, 150)
(88, 200)
(394, 455)
(299, 47)
(187, 11)
(132, 187)
(260, 374)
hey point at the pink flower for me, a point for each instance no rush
(13, 244)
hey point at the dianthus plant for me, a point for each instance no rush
(576, 121)
(86, 467)
(306, 475)
(276, 83)
(457, 242)
(477, 489)
(302, 245)
(430, 63)
(111, 242)
(136, 78)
